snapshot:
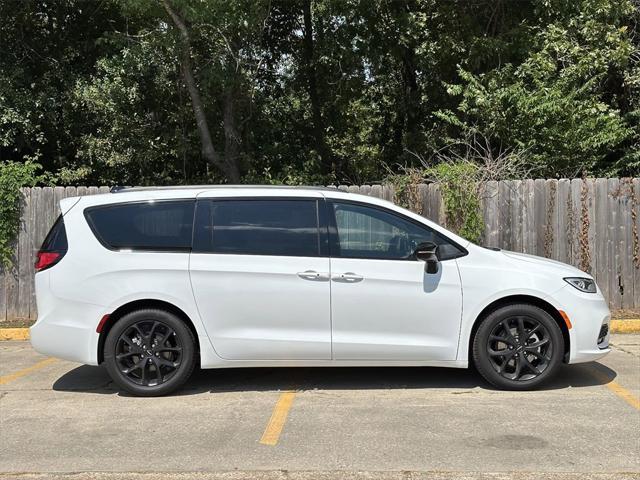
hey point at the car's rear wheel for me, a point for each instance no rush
(150, 352)
(518, 347)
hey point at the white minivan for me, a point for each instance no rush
(154, 281)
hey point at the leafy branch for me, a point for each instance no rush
(13, 176)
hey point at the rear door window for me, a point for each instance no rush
(287, 227)
(150, 225)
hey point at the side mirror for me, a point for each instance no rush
(428, 253)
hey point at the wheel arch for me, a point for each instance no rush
(134, 305)
(520, 299)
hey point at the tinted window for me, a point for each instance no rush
(258, 227)
(163, 225)
(56, 239)
(367, 232)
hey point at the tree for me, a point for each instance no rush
(230, 167)
(327, 163)
(46, 48)
(232, 28)
(315, 91)
(564, 103)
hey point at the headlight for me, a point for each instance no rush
(583, 284)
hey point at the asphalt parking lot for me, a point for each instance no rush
(62, 418)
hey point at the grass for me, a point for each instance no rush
(17, 323)
(626, 314)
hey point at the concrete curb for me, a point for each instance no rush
(617, 326)
(14, 334)
(625, 326)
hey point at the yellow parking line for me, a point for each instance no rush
(625, 394)
(618, 389)
(26, 371)
(278, 417)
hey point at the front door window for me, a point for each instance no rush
(369, 232)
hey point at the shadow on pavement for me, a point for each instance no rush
(96, 380)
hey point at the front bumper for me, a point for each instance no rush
(588, 313)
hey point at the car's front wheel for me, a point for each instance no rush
(518, 347)
(149, 352)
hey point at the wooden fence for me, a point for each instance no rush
(593, 224)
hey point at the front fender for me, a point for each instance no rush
(473, 309)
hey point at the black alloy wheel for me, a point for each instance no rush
(150, 352)
(518, 347)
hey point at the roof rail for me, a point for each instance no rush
(119, 189)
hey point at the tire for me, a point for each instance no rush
(150, 352)
(509, 363)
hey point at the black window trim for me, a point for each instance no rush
(321, 223)
(326, 222)
(334, 240)
(106, 245)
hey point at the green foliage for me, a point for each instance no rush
(13, 175)
(96, 92)
(46, 48)
(565, 102)
(405, 188)
(460, 189)
(132, 132)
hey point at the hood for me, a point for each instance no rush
(562, 268)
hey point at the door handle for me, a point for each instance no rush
(348, 277)
(313, 275)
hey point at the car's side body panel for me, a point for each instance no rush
(396, 312)
(257, 307)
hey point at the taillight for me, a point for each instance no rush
(46, 259)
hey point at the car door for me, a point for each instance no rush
(383, 304)
(260, 276)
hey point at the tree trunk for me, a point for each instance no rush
(327, 164)
(411, 99)
(230, 170)
(232, 138)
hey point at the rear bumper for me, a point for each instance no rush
(588, 312)
(65, 329)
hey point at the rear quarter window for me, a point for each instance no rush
(154, 225)
(56, 239)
